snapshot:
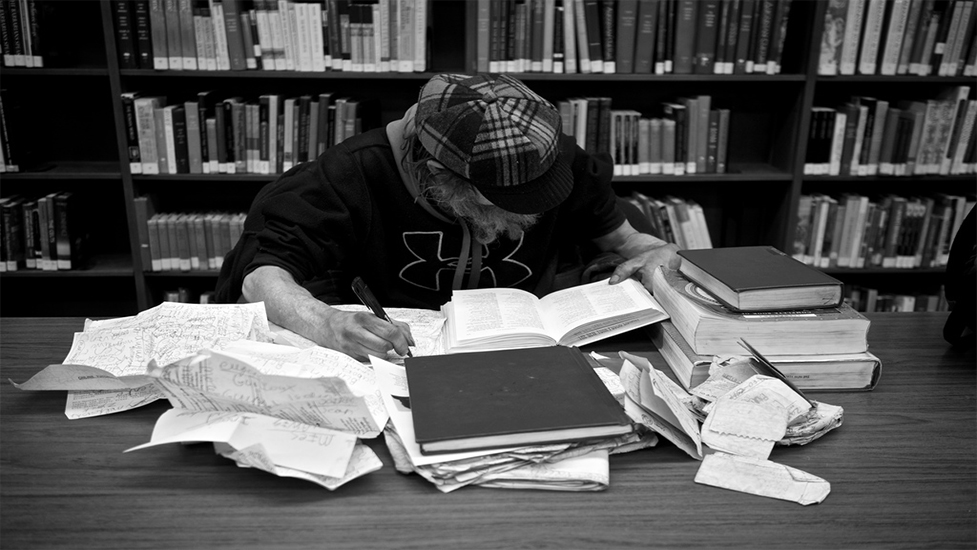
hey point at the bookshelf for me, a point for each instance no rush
(754, 202)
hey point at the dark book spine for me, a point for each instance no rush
(732, 34)
(646, 25)
(132, 133)
(851, 127)
(594, 43)
(142, 35)
(304, 124)
(71, 236)
(593, 122)
(240, 143)
(706, 32)
(662, 37)
(722, 36)
(685, 35)
(604, 125)
(608, 35)
(743, 38)
(6, 40)
(180, 140)
(779, 37)
(763, 34)
(558, 38)
(234, 32)
(16, 28)
(221, 116)
(712, 143)
(536, 51)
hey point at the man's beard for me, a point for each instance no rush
(488, 222)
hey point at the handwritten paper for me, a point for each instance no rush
(86, 404)
(214, 381)
(285, 443)
(107, 361)
(166, 333)
(762, 477)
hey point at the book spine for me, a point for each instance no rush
(132, 133)
(874, 21)
(124, 35)
(706, 33)
(685, 31)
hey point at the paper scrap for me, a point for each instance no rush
(744, 428)
(86, 404)
(762, 477)
(288, 444)
(361, 462)
(662, 403)
(214, 381)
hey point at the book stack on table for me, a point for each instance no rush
(790, 312)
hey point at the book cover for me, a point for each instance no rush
(758, 278)
(509, 398)
(646, 26)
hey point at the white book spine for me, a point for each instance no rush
(894, 36)
(837, 144)
(874, 19)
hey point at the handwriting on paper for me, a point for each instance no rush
(213, 381)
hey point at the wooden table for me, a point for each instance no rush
(903, 472)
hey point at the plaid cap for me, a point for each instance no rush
(499, 135)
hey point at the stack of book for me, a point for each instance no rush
(20, 33)
(272, 35)
(208, 135)
(892, 231)
(190, 241)
(868, 136)
(46, 232)
(690, 136)
(631, 36)
(791, 313)
(899, 37)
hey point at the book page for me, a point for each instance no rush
(490, 312)
(573, 307)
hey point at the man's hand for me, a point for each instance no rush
(290, 305)
(362, 333)
(643, 265)
(643, 254)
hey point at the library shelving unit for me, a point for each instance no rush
(77, 133)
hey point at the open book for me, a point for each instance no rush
(506, 318)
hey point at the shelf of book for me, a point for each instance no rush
(755, 199)
(98, 266)
(69, 170)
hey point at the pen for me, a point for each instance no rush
(772, 370)
(366, 296)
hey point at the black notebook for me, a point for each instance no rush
(510, 398)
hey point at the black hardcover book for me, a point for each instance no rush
(510, 398)
(124, 34)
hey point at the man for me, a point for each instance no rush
(475, 186)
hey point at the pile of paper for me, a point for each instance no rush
(743, 416)
(580, 466)
(105, 371)
(285, 410)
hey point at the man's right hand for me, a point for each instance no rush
(289, 305)
(361, 334)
